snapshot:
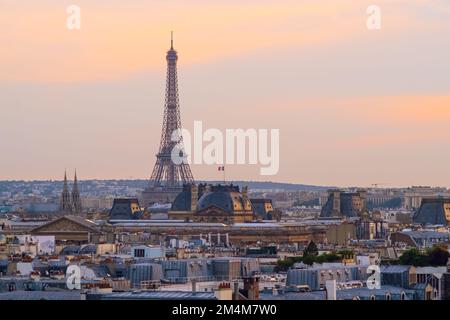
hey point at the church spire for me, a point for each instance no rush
(65, 205)
(65, 180)
(76, 199)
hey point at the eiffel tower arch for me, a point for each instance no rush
(168, 178)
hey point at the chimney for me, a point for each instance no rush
(236, 290)
(194, 286)
(251, 286)
(244, 192)
(274, 291)
(224, 291)
(330, 286)
(194, 197)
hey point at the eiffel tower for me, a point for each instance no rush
(167, 178)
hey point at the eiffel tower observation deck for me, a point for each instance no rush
(168, 178)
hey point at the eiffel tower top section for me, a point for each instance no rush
(171, 121)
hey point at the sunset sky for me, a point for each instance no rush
(354, 106)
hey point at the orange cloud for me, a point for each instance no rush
(396, 110)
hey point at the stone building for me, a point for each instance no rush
(205, 203)
(342, 204)
(125, 209)
(433, 211)
(263, 209)
(68, 230)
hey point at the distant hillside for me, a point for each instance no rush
(254, 185)
(125, 186)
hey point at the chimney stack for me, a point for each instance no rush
(236, 290)
(194, 286)
(194, 197)
(251, 286)
(330, 286)
(224, 291)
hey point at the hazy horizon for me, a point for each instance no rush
(354, 107)
(381, 186)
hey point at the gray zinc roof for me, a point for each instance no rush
(160, 295)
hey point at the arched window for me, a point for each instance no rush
(388, 296)
(403, 296)
(372, 297)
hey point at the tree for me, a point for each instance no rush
(333, 257)
(413, 257)
(311, 250)
(438, 256)
(309, 259)
(284, 265)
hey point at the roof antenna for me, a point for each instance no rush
(171, 40)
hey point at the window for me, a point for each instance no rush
(403, 296)
(139, 253)
(388, 296)
(372, 297)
